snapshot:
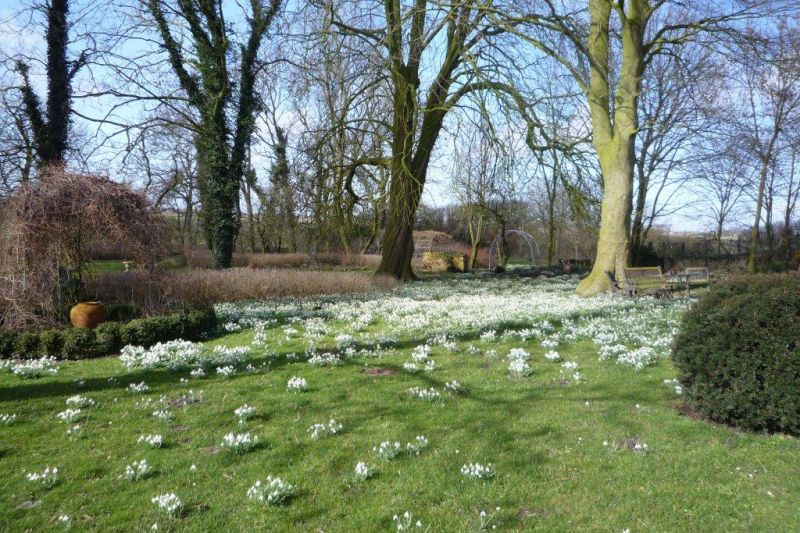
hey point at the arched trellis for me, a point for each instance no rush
(533, 246)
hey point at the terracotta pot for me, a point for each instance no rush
(87, 314)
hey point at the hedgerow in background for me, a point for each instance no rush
(738, 352)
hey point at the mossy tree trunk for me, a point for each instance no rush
(614, 129)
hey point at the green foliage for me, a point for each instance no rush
(738, 353)
(26, 345)
(107, 338)
(122, 312)
(79, 343)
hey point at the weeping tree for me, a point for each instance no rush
(225, 119)
(51, 128)
(607, 47)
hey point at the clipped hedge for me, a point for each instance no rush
(108, 337)
(738, 353)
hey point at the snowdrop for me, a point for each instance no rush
(454, 387)
(421, 353)
(163, 415)
(239, 443)
(675, 384)
(35, 368)
(8, 419)
(79, 401)
(273, 491)
(363, 471)
(405, 522)
(324, 359)
(47, 478)
(410, 367)
(153, 441)
(198, 373)
(231, 327)
(297, 384)
(226, 371)
(418, 445)
(137, 470)
(489, 335)
(478, 471)
(552, 356)
(168, 503)
(323, 430)
(387, 450)
(519, 368)
(428, 395)
(138, 388)
(244, 412)
(70, 416)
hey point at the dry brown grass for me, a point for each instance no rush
(203, 286)
(201, 259)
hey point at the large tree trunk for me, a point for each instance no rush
(612, 243)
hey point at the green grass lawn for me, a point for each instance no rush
(544, 436)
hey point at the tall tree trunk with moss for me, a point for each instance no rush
(614, 139)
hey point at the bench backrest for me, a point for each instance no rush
(697, 275)
(645, 277)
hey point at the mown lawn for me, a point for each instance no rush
(544, 434)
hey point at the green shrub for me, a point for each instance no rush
(108, 337)
(79, 343)
(26, 345)
(8, 340)
(51, 342)
(738, 352)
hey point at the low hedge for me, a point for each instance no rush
(108, 337)
(738, 353)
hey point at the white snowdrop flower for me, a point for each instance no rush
(8, 419)
(410, 367)
(363, 471)
(553, 356)
(47, 478)
(34, 368)
(198, 373)
(323, 430)
(153, 441)
(387, 450)
(168, 503)
(570, 365)
(297, 384)
(325, 359)
(244, 412)
(239, 443)
(489, 335)
(519, 368)
(478, 471)
(193, 468)
(454, 387)
(70, 416)
(138, 388)
(272, 491)
(418, 445)
(137, 470)
(428, 395)
(231, 326)
(79, 401)
(164, 415)
(406, 522)
(226, 371)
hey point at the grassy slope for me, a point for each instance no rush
(697, 476)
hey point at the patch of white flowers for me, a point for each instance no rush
(239, 443)
(168, 503)
(47, 478)
(244, 412)
(273, 491)
(388, 450)
(675, 384)
(419, 444)
(226, 371)
(153, 441)
(34, 368)
(478, 471)
(317, 431)
(138, 388)
(79, 401)
(163, 415)
(518, 366)
(427, 395)
(553, 356)
(454, 387)
(363, 471)
(405, 522)
(324, 359)
(137, 470)
(8, 419)
(70, 416)
(297, 384)
(181, 355)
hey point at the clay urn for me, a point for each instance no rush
(87, 314)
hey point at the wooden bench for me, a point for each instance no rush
(645, 278)
(619, 288)
(697, 276)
